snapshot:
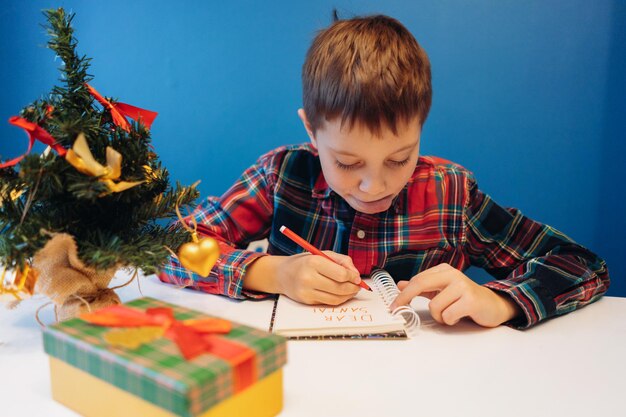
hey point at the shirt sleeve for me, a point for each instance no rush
(542, 270)
(242, 215)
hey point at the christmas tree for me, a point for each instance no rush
(99, 181)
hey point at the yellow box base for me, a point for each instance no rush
(93, 397)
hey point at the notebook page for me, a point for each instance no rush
(365, 313)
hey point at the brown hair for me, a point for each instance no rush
(366, 69)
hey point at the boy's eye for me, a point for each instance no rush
(400, 163)
(345, 166)
(354, 166)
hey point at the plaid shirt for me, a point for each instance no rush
(440, 216)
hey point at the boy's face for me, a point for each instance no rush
(368, 171)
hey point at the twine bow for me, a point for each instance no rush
(120, 110)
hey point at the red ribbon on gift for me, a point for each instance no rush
(34, 131)
(120, 110)
(193, 337)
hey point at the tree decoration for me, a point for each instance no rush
(80, 157)
(199, 255)
(95, 201)
(16, 285)
(119, 110)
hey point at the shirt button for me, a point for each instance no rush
(360, 234)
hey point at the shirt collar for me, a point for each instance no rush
(321, 189)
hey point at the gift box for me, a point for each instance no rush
(238, 373)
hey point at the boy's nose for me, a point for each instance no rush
(373, 185)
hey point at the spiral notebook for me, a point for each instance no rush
(366, 316)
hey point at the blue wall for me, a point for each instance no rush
(530, 95)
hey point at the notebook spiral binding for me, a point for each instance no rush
(388, 290)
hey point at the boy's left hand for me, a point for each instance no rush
(454, 295)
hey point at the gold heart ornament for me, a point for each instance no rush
(199, 256)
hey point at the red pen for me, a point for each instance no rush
(307, 246)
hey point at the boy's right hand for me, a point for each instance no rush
(306, 278)
(312, 279)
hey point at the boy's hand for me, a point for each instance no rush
(453, 296)
(311, 279)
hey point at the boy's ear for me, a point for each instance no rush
(307, 126)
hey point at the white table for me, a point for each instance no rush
(570, 366)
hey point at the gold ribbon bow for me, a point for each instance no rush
(5, 195)
(80, 157)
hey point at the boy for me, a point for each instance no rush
(361, 191)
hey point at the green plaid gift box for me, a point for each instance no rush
(156, 371)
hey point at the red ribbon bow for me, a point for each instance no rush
(193, 337)
(34, 131)
(119, 110)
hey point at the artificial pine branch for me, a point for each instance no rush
(44, 194)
